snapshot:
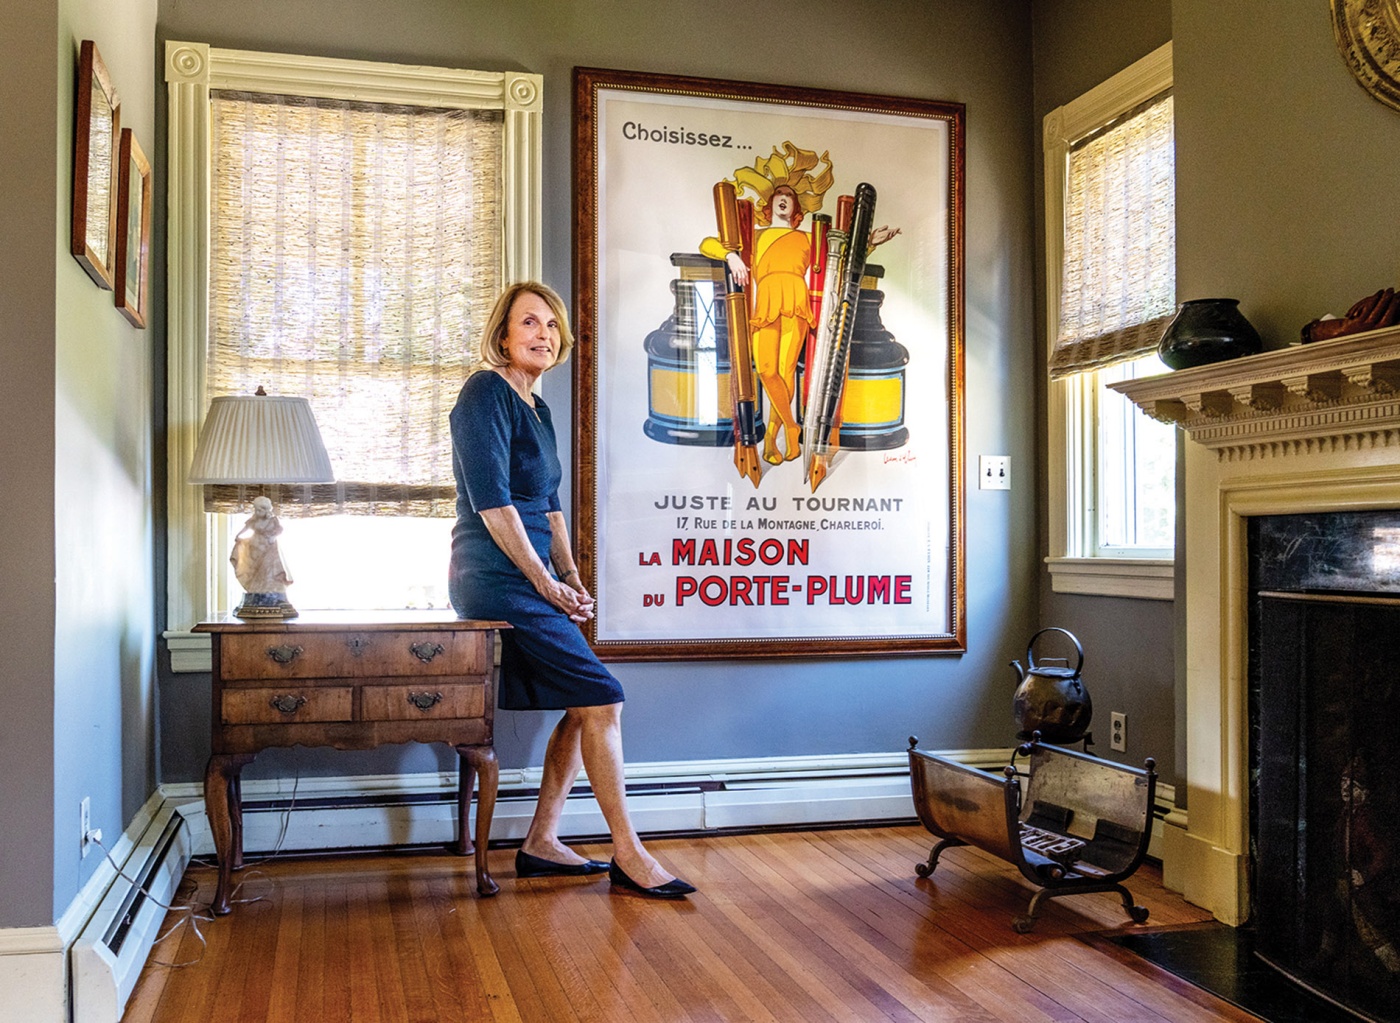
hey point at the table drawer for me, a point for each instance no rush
(415, 702)
(283, 706)
(352, 654)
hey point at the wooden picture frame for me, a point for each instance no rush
(132, 277)
(689, 554)
(96, 136)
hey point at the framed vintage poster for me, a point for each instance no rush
(790, 486)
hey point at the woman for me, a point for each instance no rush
(510, 529)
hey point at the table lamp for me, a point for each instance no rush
(260, 439)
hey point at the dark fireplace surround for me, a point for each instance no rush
(1324, 694)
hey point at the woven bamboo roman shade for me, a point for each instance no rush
(1118, 289)
(355, 254)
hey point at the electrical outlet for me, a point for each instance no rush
(1118, 731)
(994, 472)
(85, 824)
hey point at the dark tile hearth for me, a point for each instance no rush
(1221, 960)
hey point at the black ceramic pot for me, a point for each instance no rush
(1208, 330)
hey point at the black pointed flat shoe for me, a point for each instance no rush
(672, 889)
(535, 866)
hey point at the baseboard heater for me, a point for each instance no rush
(112, 948)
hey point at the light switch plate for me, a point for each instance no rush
(994, 472)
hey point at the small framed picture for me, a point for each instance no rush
(96, 135)
(131, 280)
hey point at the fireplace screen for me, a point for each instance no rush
(1325, 807)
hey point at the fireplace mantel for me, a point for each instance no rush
(1341, 393)
(1313, 428)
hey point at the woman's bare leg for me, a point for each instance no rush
(562, 761)
(601, 746)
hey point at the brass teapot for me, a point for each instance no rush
(1051, 699)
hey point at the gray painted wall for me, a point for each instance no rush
(104, 657)
(76, 594)
(961, 50)
(1128, 643)
(29, 124)
(1286, 168)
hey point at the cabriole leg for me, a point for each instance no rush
(224, 809)
(480, 762)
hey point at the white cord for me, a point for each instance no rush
(189, 914)
(249, 874)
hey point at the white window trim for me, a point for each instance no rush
(1146, 578)
(191, 71)
(1071, 571)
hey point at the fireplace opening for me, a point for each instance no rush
(1324, 704)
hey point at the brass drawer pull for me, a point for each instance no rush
(283, 654)
(288, 704)
(425, 701)
(425, 652)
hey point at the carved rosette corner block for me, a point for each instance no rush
(523, 92)
(187, 63)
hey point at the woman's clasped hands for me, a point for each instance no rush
(577, 603)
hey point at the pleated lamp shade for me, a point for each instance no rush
(259, 438)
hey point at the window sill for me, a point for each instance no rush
(189, 651)
(1142, 578)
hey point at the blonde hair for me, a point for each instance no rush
(806, 174)
(498, 323)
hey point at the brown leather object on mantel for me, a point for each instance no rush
(1374, 311)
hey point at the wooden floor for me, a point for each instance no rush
(803, 926)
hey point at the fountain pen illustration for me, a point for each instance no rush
(821, 227)
(845, 269)
(743, 386)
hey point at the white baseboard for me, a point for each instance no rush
(32, 975)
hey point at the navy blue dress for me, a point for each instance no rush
(504, 452)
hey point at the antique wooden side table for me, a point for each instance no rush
(350, 681)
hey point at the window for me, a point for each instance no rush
(1111, 289)
(338, 229)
